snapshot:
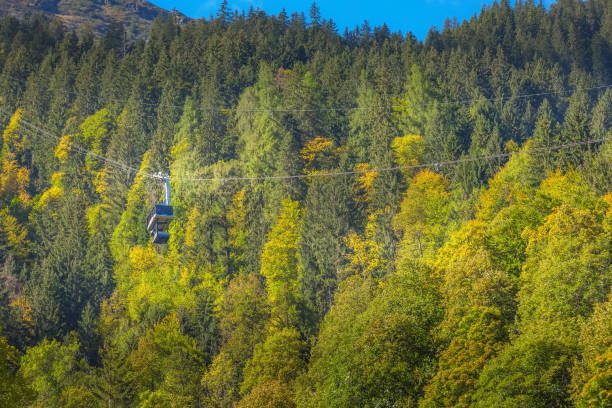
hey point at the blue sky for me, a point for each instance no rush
(416, 16)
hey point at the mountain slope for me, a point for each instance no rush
(135, 15)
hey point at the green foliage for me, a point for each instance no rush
(150, 289)
(279, 265)
(486, 283)
(129, 230)
(570, 249)
(597, 392)
(261, 134)
(113, 382)
(96, 131)
(167, 367)
(470, 277)
(14, 390)
(424, 214)
(273, 394)
(365, 255)
(372, 135)
(532, 372)
(595, 340)
(324, 222)
(418, 102)
(504, 240)
(478, 339)
(279, 358)
(53, 370)
(331, 357)
(409, 151)
(244, 313)
(375, 347)
(15, 176)
(61, 281)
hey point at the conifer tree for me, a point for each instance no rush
(325, 222)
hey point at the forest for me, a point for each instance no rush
(361, 219)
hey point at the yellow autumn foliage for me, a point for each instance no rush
(53, 193)
(13, 234)
(94, 215)
(142, 259)
(319, 154)
(568, 188)
(24, 307)
(424, 214)
(512, 184)
(408, 151)
(365, 183)
(314, 147)
(365, 254)
(279, 264)
(11, 139)
(63, 148)
(14, 178)
(148, 283)
(100, 182)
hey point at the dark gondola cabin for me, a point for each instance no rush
(158, 222)
(160, 216)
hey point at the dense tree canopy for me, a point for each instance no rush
(434, 228)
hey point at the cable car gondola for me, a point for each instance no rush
(160, 216)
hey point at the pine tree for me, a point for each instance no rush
(325, 222)
(61, 282)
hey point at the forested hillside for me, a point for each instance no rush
(97, 16)
(444, 238)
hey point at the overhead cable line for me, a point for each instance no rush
(82, 150)
(396, 168)
(125, 167)
(392, 107)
